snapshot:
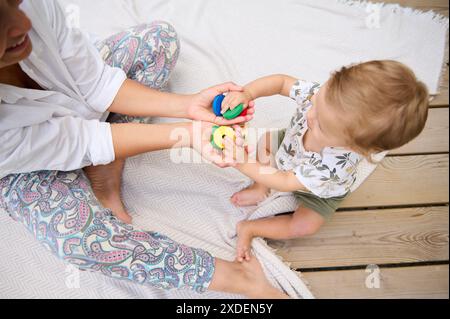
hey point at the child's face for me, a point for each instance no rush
(323, 121)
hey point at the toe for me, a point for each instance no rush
(240, 255)
(247, 255)
(235, 198)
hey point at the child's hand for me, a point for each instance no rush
(202, 144)
(235, 150)
(233, 99)
(244, 242)
(199, 105)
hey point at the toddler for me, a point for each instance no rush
(361, 110)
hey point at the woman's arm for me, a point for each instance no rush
(135, 99)
(130, 139)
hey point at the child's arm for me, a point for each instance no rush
(265, 86)
(283, 181)
(270, 85)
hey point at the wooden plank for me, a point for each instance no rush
(390, 236)
(434, 137)
(440, 6)
(404, 180)
(406, 282)
(442, 98)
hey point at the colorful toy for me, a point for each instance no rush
(219, 133)
(230, 114)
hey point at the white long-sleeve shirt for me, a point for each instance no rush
(62, 127)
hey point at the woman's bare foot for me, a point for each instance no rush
(260, 287)
(105, 181)
(250, 196)
(246, 278)
(244, 241)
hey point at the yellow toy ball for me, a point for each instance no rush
(219, 133)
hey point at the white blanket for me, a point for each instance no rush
(221, 41)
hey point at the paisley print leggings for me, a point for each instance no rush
(62, 212)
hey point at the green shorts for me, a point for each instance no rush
(325, 207)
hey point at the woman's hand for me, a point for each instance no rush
(200, 105)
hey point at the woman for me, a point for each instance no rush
(56, 92)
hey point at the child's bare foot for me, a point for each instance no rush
(244, 241)
(105, 181)
(250, 196)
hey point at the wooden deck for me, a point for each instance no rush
(398, 220)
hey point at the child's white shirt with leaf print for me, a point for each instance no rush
(327, 174)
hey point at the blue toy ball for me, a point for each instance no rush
(217, 104)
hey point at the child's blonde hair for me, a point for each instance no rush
(382, 103)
